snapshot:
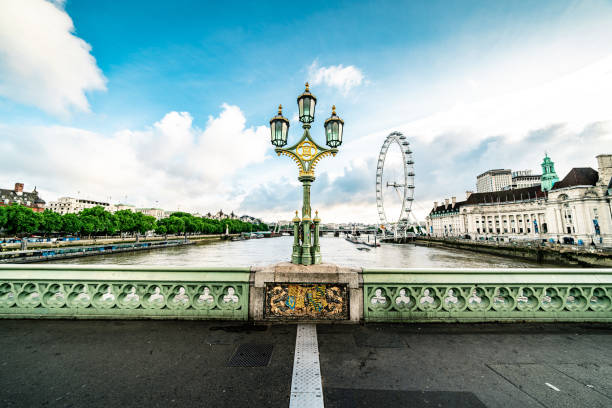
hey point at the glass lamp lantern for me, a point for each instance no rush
(306, 105)
(333, 129)
(279, 127)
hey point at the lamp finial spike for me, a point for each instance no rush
(280, 109)
(333, 109)
(307, 90)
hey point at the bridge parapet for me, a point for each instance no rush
(123, 292)
(373, 295)
(476, 295)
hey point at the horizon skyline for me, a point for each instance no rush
(204, 212)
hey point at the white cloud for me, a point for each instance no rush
(42, 63)
(336, 76)
(173, 162)
(577, 98)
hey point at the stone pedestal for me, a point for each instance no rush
(286, 292)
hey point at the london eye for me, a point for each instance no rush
(395, 184)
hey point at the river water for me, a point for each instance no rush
(334, 250)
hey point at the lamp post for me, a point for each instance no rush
(306, 153)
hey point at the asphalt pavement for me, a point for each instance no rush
(68, 363)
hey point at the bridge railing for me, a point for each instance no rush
(389, 295)
(67, 291)
(474, 295)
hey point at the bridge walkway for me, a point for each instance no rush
(187, 363)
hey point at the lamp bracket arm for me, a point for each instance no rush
(315, 160)
(291, 154)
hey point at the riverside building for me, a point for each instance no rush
(70, 205)
(493, 180)
(158, 213)
(524, 178)
(576, 209)
(18, 196)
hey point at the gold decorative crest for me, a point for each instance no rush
(306, 150)
(304, 301)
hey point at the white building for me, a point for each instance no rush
(524, 178)
(158, 213)
(222, 216)
(493, 180)
(119, 207)
(577, 208)
(252, 220)
(70, 205)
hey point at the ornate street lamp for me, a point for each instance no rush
(279, 126)
(306, 104)
(306, 153)
(333, 129)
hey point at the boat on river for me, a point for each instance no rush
(353, 239)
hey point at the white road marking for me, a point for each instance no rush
(553, 387)
(306, 388)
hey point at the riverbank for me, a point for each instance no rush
(557, 254)
(111, 246)
(46, 255)
(110, 240)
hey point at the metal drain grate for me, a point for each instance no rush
(251, 355)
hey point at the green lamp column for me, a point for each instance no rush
(316, 248)
(296, 256)
(306, 220)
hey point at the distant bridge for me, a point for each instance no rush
(335, 231)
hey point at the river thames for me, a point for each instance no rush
(334, 250)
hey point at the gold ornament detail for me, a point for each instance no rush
(306, 150)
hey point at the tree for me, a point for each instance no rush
(190, 224)
(21, 220)
(161, 229)
(71, 224)
(198, 225)
(105, 221)
(175, 225)
(51, 222)
(181, 214)
(143, 223)
(125, 221)
(2, 218)
(89, 224)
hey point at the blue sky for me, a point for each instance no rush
(167, 103)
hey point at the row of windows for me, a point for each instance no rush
(512, 230)
(7, 201)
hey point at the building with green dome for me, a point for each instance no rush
(575, 210)
(549, 176)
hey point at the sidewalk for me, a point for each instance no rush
(185, 363)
